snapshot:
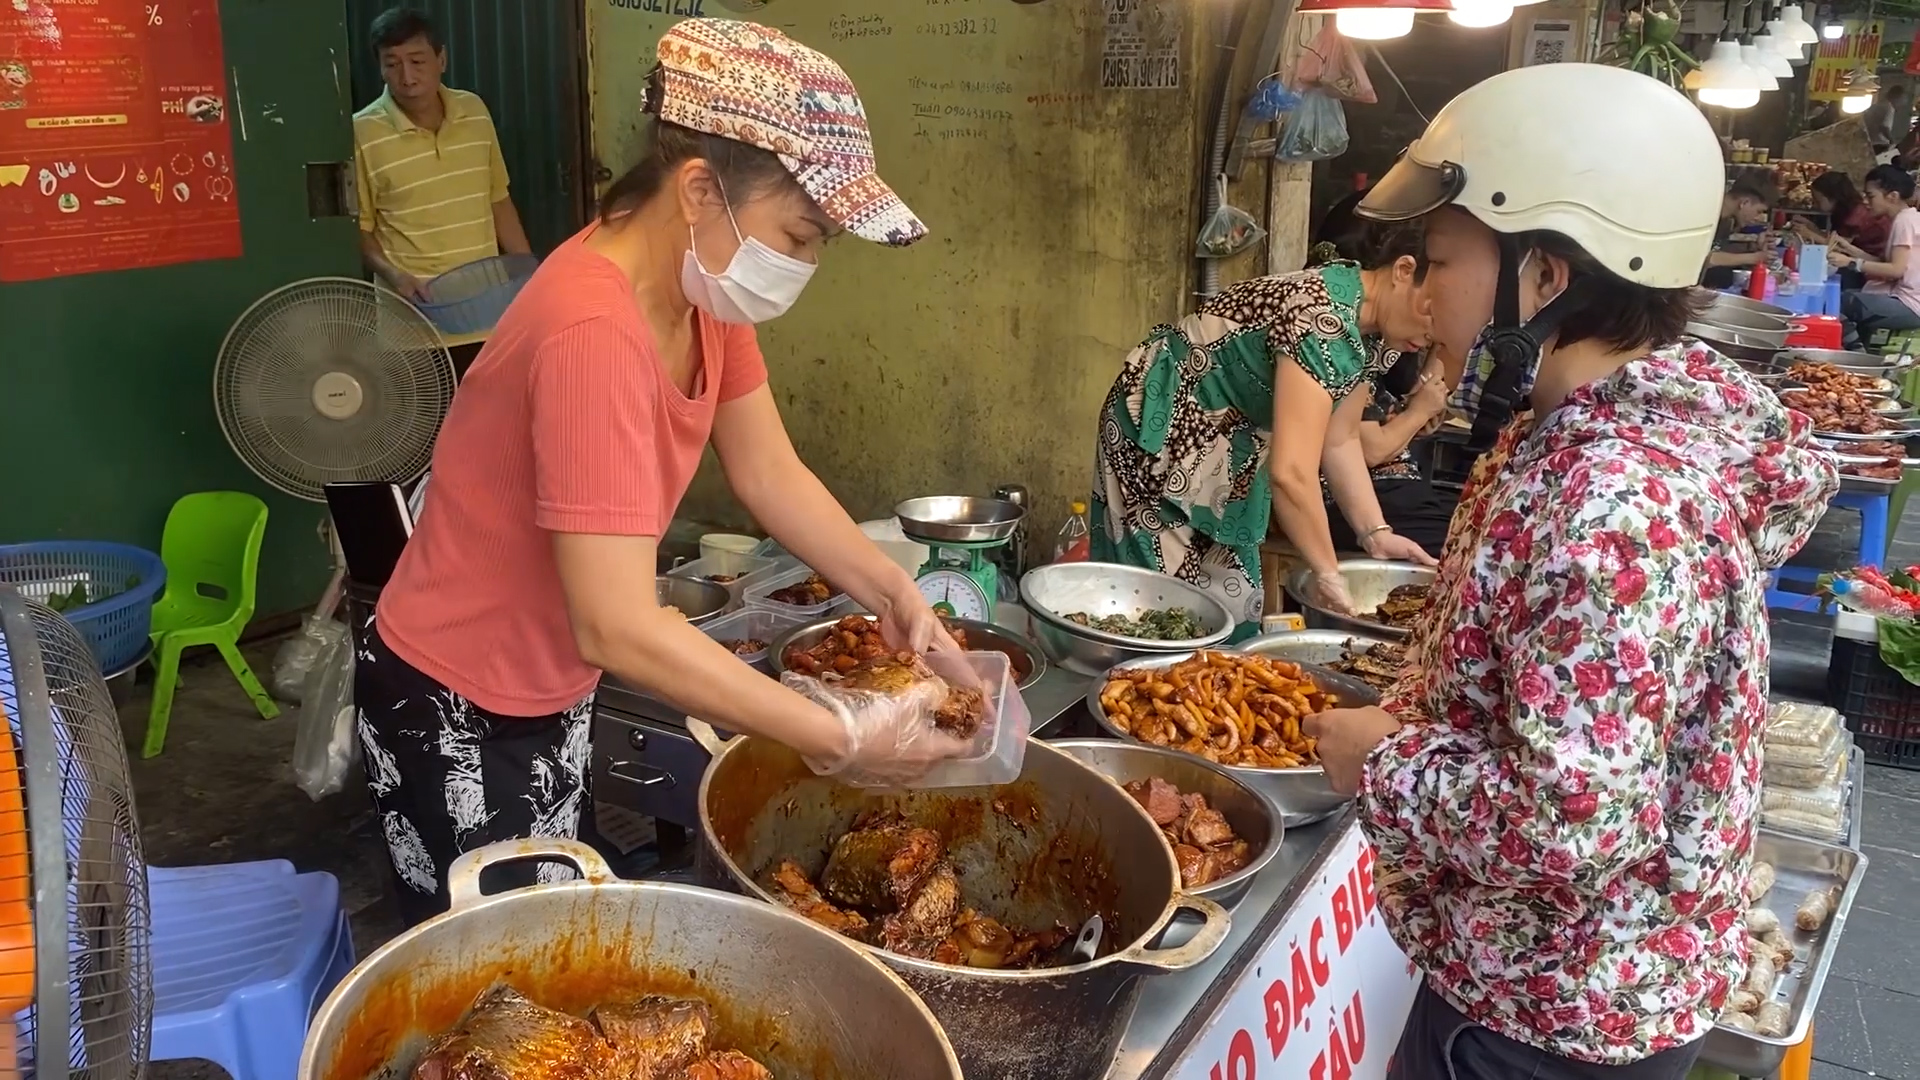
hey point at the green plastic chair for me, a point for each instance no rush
(1909, 478)
(212, 551)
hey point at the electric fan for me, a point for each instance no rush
(75, 973)
(332, 379)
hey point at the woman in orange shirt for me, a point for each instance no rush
(574, 437)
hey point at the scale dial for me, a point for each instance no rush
(955, 595)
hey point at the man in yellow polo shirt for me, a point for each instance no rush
(433, 186)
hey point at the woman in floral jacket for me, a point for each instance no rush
(1562, 787)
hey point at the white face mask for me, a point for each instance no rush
(758, 284)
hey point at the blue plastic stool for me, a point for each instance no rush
(1873, 548)
(242, 956)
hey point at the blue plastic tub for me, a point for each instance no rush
(471, 298)
(119, 583)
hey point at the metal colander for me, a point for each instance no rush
(75, 970)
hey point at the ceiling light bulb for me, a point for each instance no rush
(1478, 13)
(1833, 31)
(1730, 99)
(1374, 24)
(1858, 103)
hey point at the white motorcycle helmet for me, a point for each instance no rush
(1621, 164)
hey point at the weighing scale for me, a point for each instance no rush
(958, 579)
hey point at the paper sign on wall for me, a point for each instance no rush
(1142, 48)
(115, 141)
(1327, 998)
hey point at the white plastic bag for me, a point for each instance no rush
(297, 655)
(325, 743)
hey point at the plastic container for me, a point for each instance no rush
(756, 623)
(120, 581)
(712, 544)
(1881, 708)
(471, 298)
(1074, 542)
(1000, 746)
(746, 570)
(756, 595)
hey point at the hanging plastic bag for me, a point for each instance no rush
(1315, 131)
(296, 657)
(1331, 65)
(1272, 100)
(1229, 231)
(325, 743)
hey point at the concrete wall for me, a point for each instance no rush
(1062, 214)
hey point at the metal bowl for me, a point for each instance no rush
(1717, 303)
(1302, 795)
(1029, 663)
(1254, 818)
(1051, 593)
(1859, 363)
(1317, 647)
(697, 599)
(959, 519)
(1368, 582)
(1740, 341)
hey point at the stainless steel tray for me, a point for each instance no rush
(1800, 866)
(1867, 485)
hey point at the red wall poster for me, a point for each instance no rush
(115, 145)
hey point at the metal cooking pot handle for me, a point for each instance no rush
(1201, 945)
(703, 733)
(463, 878)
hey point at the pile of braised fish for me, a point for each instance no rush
(1204, 845)
(890, 884)
(1403, 607)
(853, 656)
(507, 1037)
(1378, 665)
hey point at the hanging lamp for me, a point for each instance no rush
(1767, 54)
(1796, 21)
(1725, 79)
(1858, 89)
(1373, 20)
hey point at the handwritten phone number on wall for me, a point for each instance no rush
(959, 27)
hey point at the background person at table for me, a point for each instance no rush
(1227, 420)
(433, 185)
(1854, 227)
(1890, 300)
(1887, 119)
(1740, 241)
(1562, 787)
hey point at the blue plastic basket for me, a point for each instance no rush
(472, 298)
(122, 582)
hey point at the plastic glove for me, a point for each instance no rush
(1389, 545)
(911, 625)
(1330, 592)
(890, 737)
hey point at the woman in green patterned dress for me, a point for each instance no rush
(1232, 416)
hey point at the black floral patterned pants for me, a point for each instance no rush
(1440, 1043)
(447, 776)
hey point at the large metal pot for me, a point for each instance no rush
(1060, 844)
(1318, 647)
(1368, 582)
(1254, 818)
(1303, 796)
(575, 944)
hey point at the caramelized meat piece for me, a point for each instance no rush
(1403, 606)
(728, 1065)
(1036, 950)
(961, 713)
(1192, 862)
(881, 867)
(812, 591)
(1203, 826)
(656, 1037)
(977, 941)
(506, 1037)
(1161, 799)
(791, 887)
(889, 674)
(919, 928)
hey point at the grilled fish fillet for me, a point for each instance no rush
(506, 1037)
(655, 1038)
(729, 1065)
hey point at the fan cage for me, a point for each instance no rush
(93, 971)
(265, 376)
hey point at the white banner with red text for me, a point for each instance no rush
(1326, 999)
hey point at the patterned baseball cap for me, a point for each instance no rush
(758, 86)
